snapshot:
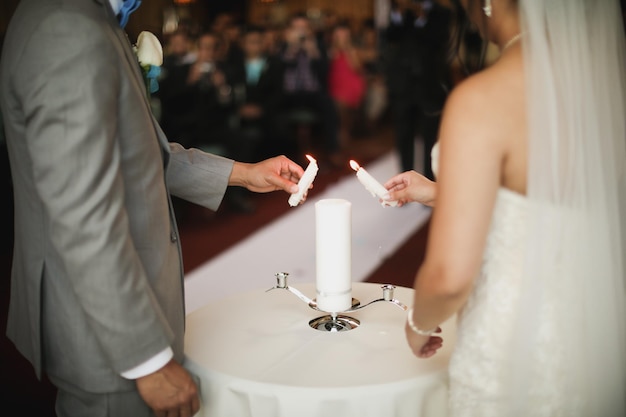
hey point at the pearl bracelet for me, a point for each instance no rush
(415, 328)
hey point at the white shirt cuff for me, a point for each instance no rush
(153, 364)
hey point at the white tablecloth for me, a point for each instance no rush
(256, 355)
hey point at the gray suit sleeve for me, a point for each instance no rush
(197, 176)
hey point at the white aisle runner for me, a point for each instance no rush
(288, 243)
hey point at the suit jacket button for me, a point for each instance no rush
(173, 237)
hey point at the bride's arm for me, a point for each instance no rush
(471, 156)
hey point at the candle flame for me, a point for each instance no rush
(310, 158)
(354, 165)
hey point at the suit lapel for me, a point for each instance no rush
(131, 59)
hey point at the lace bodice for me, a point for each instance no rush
(487, 321)
(487, 318)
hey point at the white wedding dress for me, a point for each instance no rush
(478, 383)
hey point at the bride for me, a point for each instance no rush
(528, 236)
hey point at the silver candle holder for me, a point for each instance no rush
(333, 321)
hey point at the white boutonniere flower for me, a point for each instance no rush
(150, 56)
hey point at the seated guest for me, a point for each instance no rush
(272, 40)
(177, 50)
(196, 100)
(375, 101)
(260, 99)
(305, 80)
(231, 49)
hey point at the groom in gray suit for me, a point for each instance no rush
(97, 297)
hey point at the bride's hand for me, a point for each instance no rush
(409, 187)
(423, 346)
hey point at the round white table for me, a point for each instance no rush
(256, 355)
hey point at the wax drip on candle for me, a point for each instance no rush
(371, 185)
(305, 182)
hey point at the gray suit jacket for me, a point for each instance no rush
(97, 274)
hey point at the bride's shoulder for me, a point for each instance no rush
(485, 111)
(471, 99)
(494, 82)
(495, 91)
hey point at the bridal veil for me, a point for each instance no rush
(575, 263)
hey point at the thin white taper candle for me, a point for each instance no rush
(371, 185)
(305, 182)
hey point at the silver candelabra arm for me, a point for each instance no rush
(281, 284)
(387, 296)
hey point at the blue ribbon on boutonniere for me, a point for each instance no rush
(128, 6)
(151, 73)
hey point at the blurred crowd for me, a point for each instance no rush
(249, 92)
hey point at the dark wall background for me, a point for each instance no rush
(150, 15)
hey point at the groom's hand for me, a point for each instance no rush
(170, 391)
(278, 173)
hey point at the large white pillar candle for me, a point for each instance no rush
(333, 257)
